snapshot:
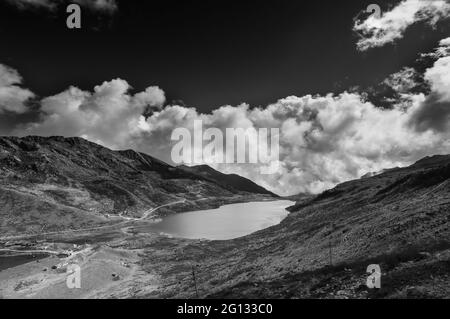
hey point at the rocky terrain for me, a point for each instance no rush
(56, 183)
(398, 219)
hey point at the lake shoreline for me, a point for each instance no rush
(227, 222)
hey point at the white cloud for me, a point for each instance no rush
(391, 26)
(324, 140)
(402, 81)
(109, 115)
(435, 111)
(442, 50)
(445, 42)
(12, 96)
(439, 77)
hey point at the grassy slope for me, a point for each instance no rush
(59, 183)
(399, 219)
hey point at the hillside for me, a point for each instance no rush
(226, 180)
(399, 219)
(54, 183)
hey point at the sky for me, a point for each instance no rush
(351, 92)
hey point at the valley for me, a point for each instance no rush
(399, 219)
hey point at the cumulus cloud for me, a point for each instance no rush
(324, 140)
(12, 96)
(107, 6)
(109, 115)
(439, 77)
(403, 81)
(391, 26)
(435, 113)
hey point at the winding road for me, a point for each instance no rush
(52, 252)
(150, 211)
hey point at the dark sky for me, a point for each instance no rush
(205, 52)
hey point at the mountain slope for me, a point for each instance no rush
(55, 183)
(227, 180)
(399, 219)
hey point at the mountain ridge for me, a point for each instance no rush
(82, 179)
(236, 181)
(399, 220)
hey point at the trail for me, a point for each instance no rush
(31, 251)
(150, 211)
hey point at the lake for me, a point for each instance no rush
(7, 261)
(226, 222)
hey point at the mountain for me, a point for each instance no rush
(55, 183)
(226, 180)
(399, 220)
(372, 174)
(299, 197)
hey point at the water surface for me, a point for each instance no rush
(7, 261)
(226, 222)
